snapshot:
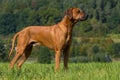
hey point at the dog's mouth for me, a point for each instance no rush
(83, 18)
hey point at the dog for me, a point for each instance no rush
(57, 37)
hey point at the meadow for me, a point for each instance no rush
(76, 71)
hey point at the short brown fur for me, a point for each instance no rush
(57, 37)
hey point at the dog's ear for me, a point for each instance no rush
(69, 13)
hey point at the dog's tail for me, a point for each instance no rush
(13, 43)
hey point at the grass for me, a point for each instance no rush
(77, 71)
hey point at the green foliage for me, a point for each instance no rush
(44, 55)
(115, 49)
(74, 51)
(80, 59)
(92, 49)
(95, 49)
(3, 51)
(17, 14)
(101, 57)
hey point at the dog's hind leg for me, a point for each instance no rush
(21, 46)
(25, 55)
(16, 57)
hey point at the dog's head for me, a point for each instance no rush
(76, 14)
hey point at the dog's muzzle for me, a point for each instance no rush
(84, 18)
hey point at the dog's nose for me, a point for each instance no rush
(86, 16)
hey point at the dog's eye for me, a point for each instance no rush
(78, 11)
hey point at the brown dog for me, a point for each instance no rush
(57, 37)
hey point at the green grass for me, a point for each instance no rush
(78, 71)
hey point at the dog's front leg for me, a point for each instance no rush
(57, 59)
(66, 54)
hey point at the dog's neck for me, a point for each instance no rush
(66, 24)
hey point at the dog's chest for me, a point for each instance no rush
(66, 42)
(67, 38)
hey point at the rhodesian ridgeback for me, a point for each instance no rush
(57, 37)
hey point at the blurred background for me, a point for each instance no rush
(96, 39)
